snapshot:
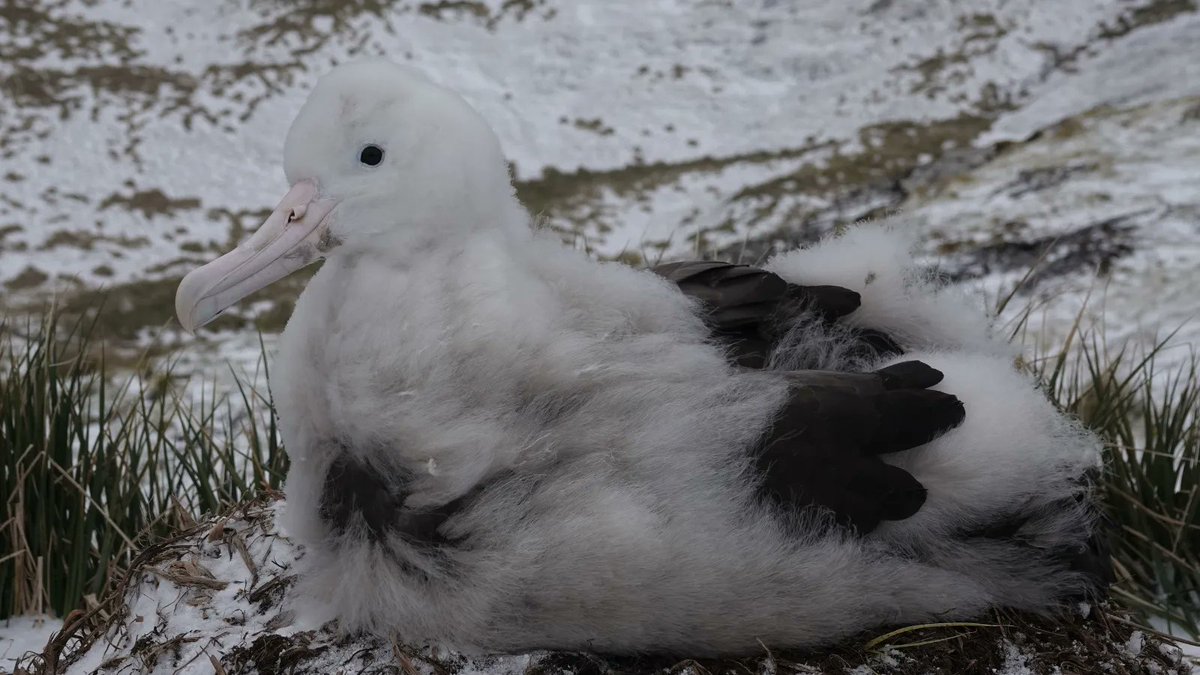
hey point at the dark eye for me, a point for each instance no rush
(371, 155)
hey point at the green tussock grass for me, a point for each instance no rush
(1147, 415)
(94, 465)
(1143, 401)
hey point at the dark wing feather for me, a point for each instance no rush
(357, 498)
(823, 449)
(750, 309)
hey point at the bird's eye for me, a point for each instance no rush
(371, 155)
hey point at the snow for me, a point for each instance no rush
(1016, 662)
(223, 594)
(153, 139)
(215, 614)
(1167, 627)
(1128, 73)
(20, 634)
(664, 82)
(1134, 168)
(1136, 642)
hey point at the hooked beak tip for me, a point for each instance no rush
(188, 325)
(188, 297)
(285, 242)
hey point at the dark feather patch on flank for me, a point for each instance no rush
(356, 497)
(823, 449)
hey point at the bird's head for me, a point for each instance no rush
(379, 157)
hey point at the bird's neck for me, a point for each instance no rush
(417, 235)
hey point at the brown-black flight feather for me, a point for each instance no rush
(751, 310)
(824, 447)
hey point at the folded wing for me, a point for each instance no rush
(750, 310)
(824, 448)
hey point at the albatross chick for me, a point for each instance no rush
(500, 444)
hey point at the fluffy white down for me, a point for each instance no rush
(1015, 455)
(899, 298)
(1014, 448)
(620, 513)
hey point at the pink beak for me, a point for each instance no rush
(294, 235)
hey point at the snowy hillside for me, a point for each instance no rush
(139, 138)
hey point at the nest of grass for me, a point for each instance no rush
(216, 597)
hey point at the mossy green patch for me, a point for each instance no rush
(595, 125)
(150, 202)
(1149, 14)
(886, 153)
(980, 34)
(130, 309)
(86, 241)
(30, 277)
(5, 231)
(34, 30)
(563, 195)
(452, 9)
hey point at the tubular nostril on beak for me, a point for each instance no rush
(298, 212)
